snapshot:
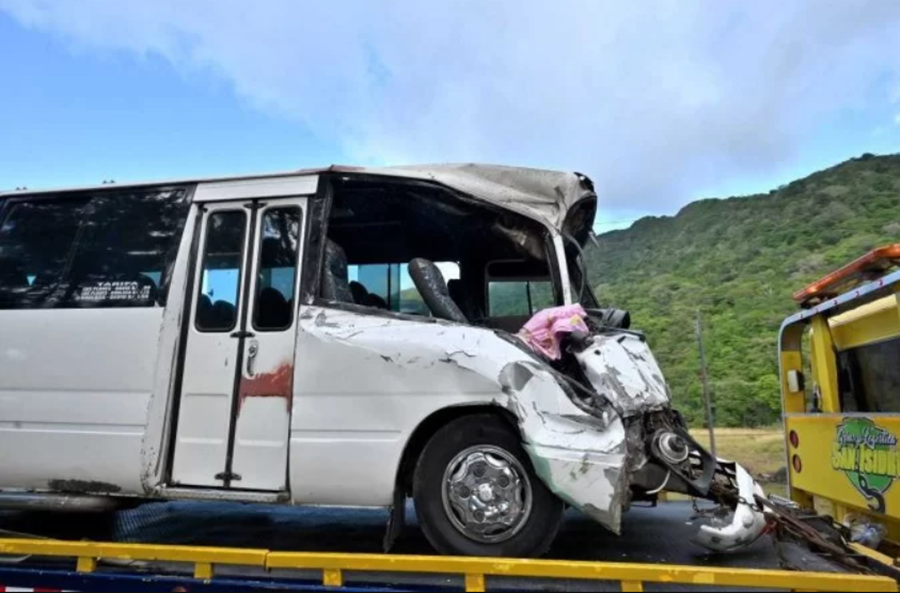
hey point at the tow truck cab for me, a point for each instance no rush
(840, 375)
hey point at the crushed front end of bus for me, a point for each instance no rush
(631, 445)
(593, 410)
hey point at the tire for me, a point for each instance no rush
(540, 511)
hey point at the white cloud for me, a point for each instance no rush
(897, 119)
(651, 99)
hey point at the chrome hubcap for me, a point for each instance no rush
(487, 494)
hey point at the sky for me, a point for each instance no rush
(660, 102)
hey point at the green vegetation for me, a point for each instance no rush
(760, 450)
(738, 261)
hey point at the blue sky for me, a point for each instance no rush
(661, 102)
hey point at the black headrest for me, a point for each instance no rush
(224, 314)
(374, 300)
(360, 292)
(455, 288)
(205, 303)
(431, 285)
(335, 281)
(204, 311)
(272, 310)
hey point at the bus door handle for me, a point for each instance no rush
(252, 351)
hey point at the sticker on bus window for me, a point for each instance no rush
(114, 291)
(867, 454)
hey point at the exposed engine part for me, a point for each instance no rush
(671, 447)
(674, 448)
(616, 367)
(661, 486)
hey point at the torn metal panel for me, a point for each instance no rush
(547, 196)
(743, 526)
(621, 367)
(587, 456)
(581, 458)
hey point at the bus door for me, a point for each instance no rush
(233, 413)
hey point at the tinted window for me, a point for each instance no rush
(127, 244)
(36, 241)
(869, 378)
(217, 303)
(92, 250)
(274, 309)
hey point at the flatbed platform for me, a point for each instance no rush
(351, 539)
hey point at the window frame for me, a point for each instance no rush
(52, 300)
(258, 268)
(204, 254)
(529, 279)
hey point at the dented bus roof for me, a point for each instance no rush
(544, 195)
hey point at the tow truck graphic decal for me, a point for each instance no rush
(867, 454)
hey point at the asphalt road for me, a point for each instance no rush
(653, 535)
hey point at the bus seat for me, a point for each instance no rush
(431, 285)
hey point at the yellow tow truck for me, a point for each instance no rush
(840, 378)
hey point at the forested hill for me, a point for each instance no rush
(738, 261)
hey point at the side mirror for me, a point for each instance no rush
(615, 318)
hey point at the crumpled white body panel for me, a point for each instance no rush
(376, 378)
(622, 369)
(391, 373)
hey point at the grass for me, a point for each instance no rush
(760, 450)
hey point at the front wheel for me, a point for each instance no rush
(476, 493)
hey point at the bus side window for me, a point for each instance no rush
(217, 304)
(36, 241)
(90, 250)
(126, 245)
(274, 308)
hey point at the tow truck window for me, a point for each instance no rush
(869, 378)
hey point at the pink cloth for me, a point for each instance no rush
(544, 332)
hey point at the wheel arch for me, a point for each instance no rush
(420, 436)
